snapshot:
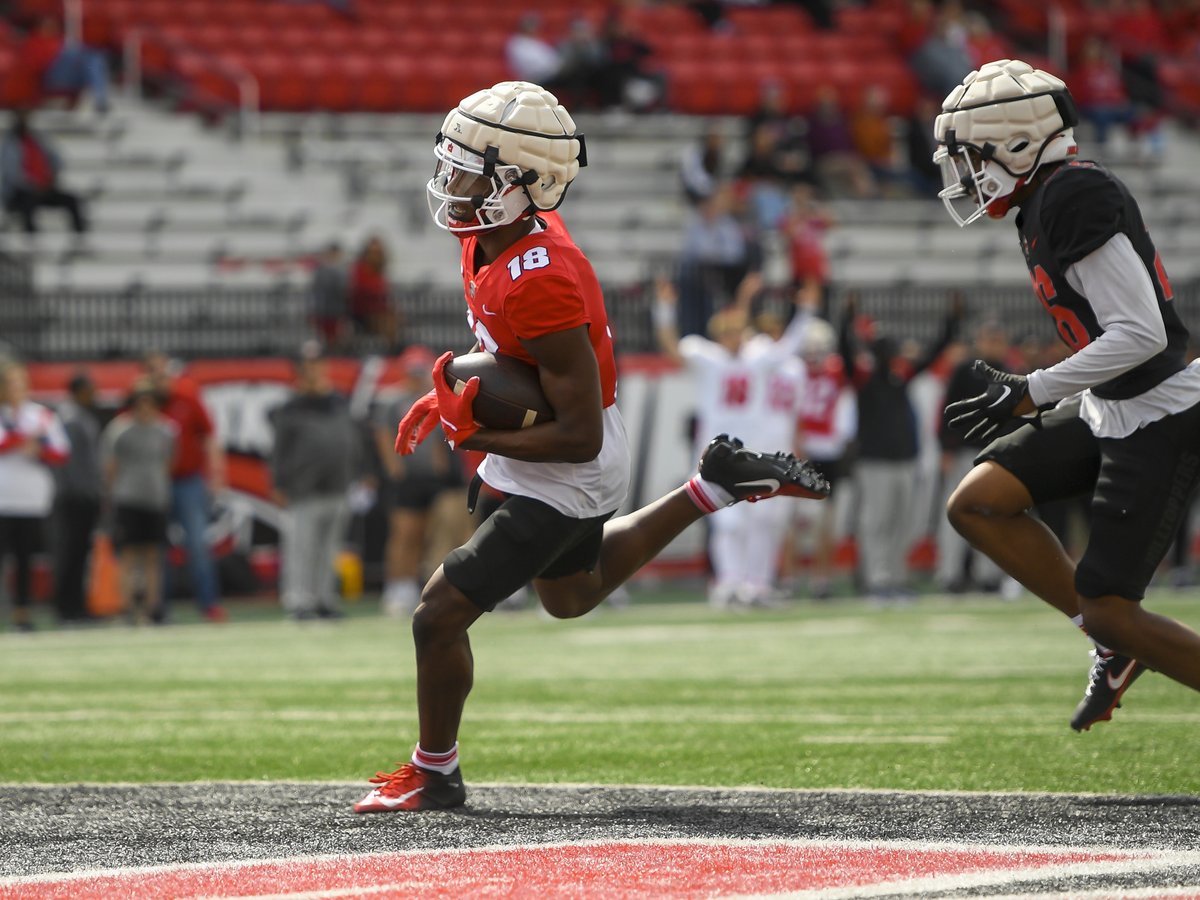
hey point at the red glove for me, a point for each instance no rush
(454, 403)
(418, 423)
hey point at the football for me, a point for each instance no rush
(510, 395)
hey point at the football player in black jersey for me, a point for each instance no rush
(1118, 419)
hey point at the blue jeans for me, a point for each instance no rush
(189, 507)
(77, 67)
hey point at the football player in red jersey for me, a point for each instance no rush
(1123, 419)
(505, 158)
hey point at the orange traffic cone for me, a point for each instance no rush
(104, 593)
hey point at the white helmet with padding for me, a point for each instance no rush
(996, 129)
(517, 135)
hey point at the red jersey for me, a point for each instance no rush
(819, 408)
(184, 407)
(541, 284)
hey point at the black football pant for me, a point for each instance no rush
(20, 537)
(25, 204)
(75, 522)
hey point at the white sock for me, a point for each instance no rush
(436, 762)
(708, 495)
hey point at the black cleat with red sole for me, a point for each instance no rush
(750, 475)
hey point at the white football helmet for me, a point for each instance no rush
(996, 129)
(517, 136)
(819, 340)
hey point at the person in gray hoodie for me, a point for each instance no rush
(316, 457)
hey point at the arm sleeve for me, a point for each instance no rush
(1118, 287)
(543, 305)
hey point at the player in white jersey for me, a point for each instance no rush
(746, 384)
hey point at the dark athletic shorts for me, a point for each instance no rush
(137, 527)
(522, 540)
(1140, 487)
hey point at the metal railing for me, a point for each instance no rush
(211, 322)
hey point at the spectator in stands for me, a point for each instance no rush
(983, 42)
(701, 167)
(29, 177)
(583, 65)
(943, 58)
(805, 227)
(48, 63)
(136, 452)
(888, 446)
(1099, 91)
(531, 57)
(329, 294)
(775, 144)
(77, 499)
(627, 78)
(921, 145)
(413, 486)
(875, 139)
(720, 260)
(197, 472)
(831, 146)
(32, 440)
(959, 567)
(370, 296)
(316, 456)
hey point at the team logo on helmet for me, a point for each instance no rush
(996, 129)
(514, 151)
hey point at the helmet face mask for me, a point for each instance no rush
(506, 202)
(996, 129)
(520, 145)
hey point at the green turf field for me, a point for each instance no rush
(954, 694)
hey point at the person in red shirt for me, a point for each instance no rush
(506, 156)
(48, 63)
(29, 167)
(370, 304)
(198, 468)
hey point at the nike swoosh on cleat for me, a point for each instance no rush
(769, 483)
(1002, 397)
(393, 802)
(1119, 682)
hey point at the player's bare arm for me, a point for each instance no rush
(570, 379)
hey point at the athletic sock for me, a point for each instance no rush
(707, 495)
(1100, 648)
(436, 762)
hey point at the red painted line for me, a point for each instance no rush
(613, 871)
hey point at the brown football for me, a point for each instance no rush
(510, 394)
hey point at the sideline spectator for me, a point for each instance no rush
(583, 66)
(959, 567)
(828, 421)
(888, 446)
(29, 177)
(199, 469)
(749, 385)
(47, 63)
(32, 439)
(136, 450)
(944, 57)
(370, 299)
(530, 57)
(315, 458)
(77, 500)
(329, 293)
(414, 484)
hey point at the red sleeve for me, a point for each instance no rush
(544, 305)
(204, 424)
